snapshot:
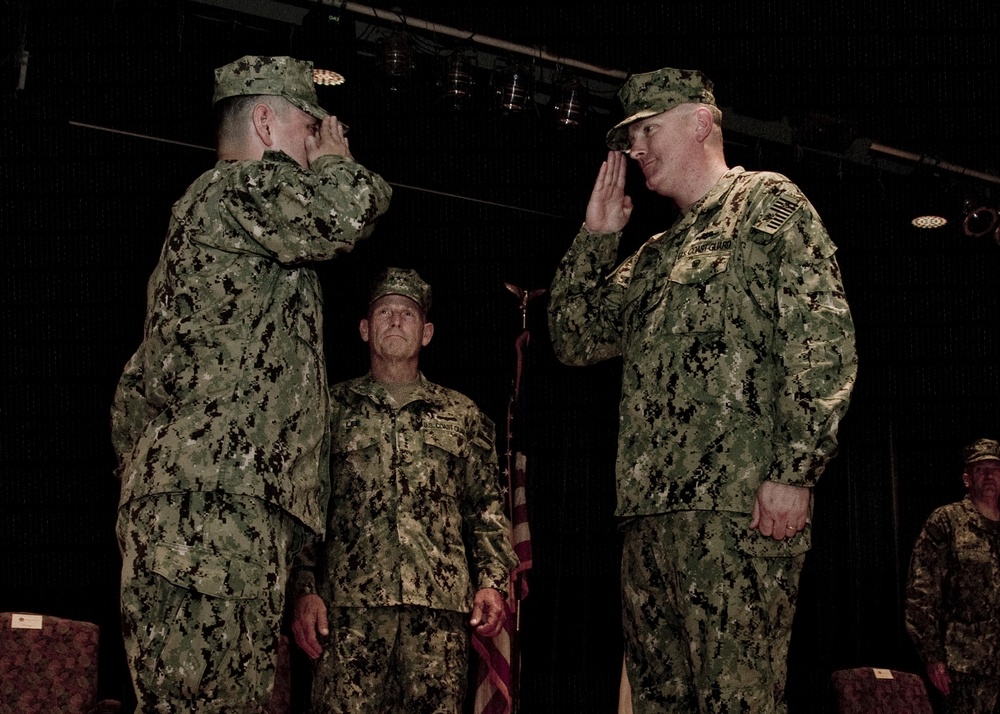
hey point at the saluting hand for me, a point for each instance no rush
(328, 140)
(609, 208)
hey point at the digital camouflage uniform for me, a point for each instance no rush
(739, 362)
(953, 603)
(220, 420)
(416, 526)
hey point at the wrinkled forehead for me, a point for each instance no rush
(984, 466)
(395, 300)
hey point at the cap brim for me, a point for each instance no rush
(320, 113)
(314, 110)
(617, 137)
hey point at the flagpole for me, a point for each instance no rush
(515, 584)
(514, 468)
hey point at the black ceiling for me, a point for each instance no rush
(917, 77)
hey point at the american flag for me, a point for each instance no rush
(498, 674)
(499, 664)
(493, 677)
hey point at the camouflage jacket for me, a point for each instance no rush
(227, 390)
(953, 590)
(737, 341)
(415, 503)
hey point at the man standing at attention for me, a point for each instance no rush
(416, 537)
(739, 361)
(220, 420)
(953, 590)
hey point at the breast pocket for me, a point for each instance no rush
(357, 461)
(447, 454)
(696, 295)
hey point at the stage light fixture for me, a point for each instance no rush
(397, 59)
(515, 92)
(458, 83)
(980, 220)
(571, 105)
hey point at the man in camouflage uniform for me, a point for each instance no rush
(416, 536)
(953, 590)
(739, 362)
(220, 418)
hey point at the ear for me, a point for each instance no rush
(428, 333)
(363, 329)
(703, 123)
(263, 123)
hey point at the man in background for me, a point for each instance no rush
(953, 589)
(416, 537)
(739, 362)
(220, 419)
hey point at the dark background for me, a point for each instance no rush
(482, 198)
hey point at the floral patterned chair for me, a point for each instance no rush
(49, 664)
(869, 690)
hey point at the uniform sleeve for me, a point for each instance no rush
(302, 578)
(929, 567)
(301, 215)
(584, 304)
(308, 563)
(130, 411)
(487, 530)
(814, 350)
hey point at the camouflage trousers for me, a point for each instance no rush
(393, 660)
(202, 593)
(706, 626)
(972, 694)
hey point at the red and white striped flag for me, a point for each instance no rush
(520, 532)
(498, 676)
(498, 672)
(493, 694)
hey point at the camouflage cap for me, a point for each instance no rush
(276, 76)
(982, 450)
(405, 282)
(650, 93)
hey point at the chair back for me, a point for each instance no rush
(47, 664)
(869, 690)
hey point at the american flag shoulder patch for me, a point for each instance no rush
(779, 213)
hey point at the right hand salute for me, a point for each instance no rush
(609, 208)
(328, 139)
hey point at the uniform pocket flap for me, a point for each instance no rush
(222, 575)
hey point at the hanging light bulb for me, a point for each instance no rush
(515, 92)
(457, 84)
(397, 59)
(571, 104)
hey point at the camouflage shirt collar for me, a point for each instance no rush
(269, 155)
(717, 194)
(715, 197)
(425, 390)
